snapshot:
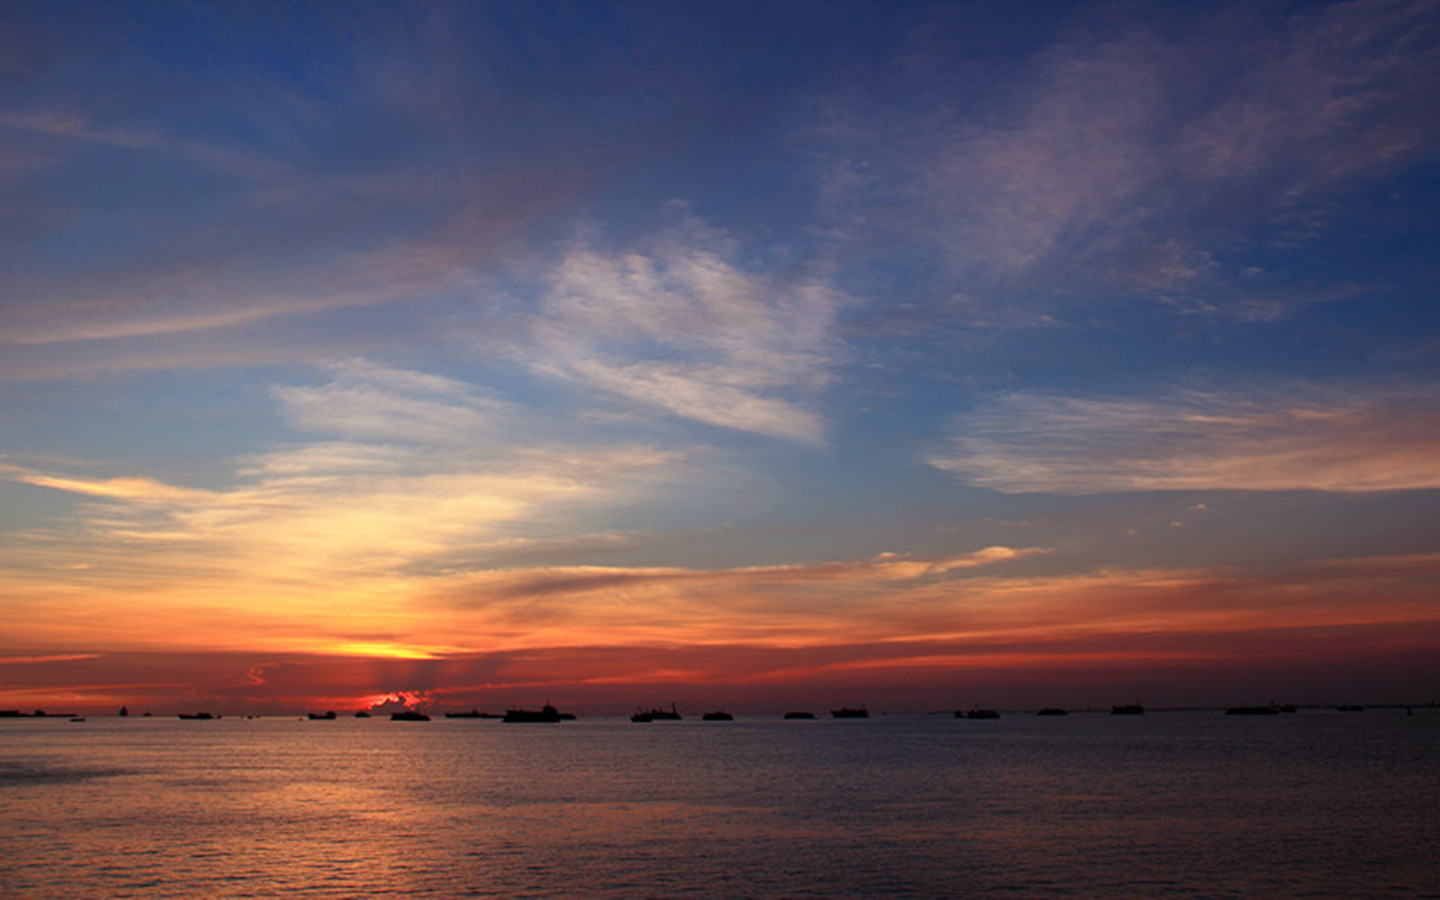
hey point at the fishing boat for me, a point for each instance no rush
(409, 715)
(850, 712)
(718, 716)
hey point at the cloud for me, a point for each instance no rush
(680, 326)
(37, 660)
(1307, 438)
(405, 482)
(1110, 156)
(133, 489)
(371, 402)
(803, 603)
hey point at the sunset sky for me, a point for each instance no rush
(767, 356)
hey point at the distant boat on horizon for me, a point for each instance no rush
(197, 715)
(657, 715)
(1253, 711)
(850, 712)
(799, 714)
(362, 714)
(546, 713)
(978, 713)
(473, 714)
(1052, 711)
(409, 715)
(327, 716)
(718, 716)
(1129, 709)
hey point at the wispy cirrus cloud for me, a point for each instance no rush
(680, 326)
(370, 402)
(1110, 156)
(1307, 438)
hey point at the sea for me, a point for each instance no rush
(1318, 803)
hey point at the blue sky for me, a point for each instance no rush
(951, 344)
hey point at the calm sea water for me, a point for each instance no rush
(1192, 804)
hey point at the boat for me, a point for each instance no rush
(362, 714)
(473, 714)
(409, 715)
(327, 716)
(1052, 711)
(547, 713)
(1252, 711)
(198, 715)
(77, 718)
(657, 715)
(978, 713)
(850, 712)
(801, 714)
(719, 716)
(1129, 709)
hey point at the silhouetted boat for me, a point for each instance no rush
(473, 714)
(799, 715)
(1129, 709)
(1052, 711)
(1252, 711)
(850, 712)
(547, 713)
(658, 715)
(362, 714)
(328, 716)
(720, 716)
(978, 713)
(77, 718)
(198, 715)
(409, 715)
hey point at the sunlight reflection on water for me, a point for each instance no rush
(1175, 803)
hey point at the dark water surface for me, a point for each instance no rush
(1193, 804)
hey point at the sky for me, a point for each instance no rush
(757, 356)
